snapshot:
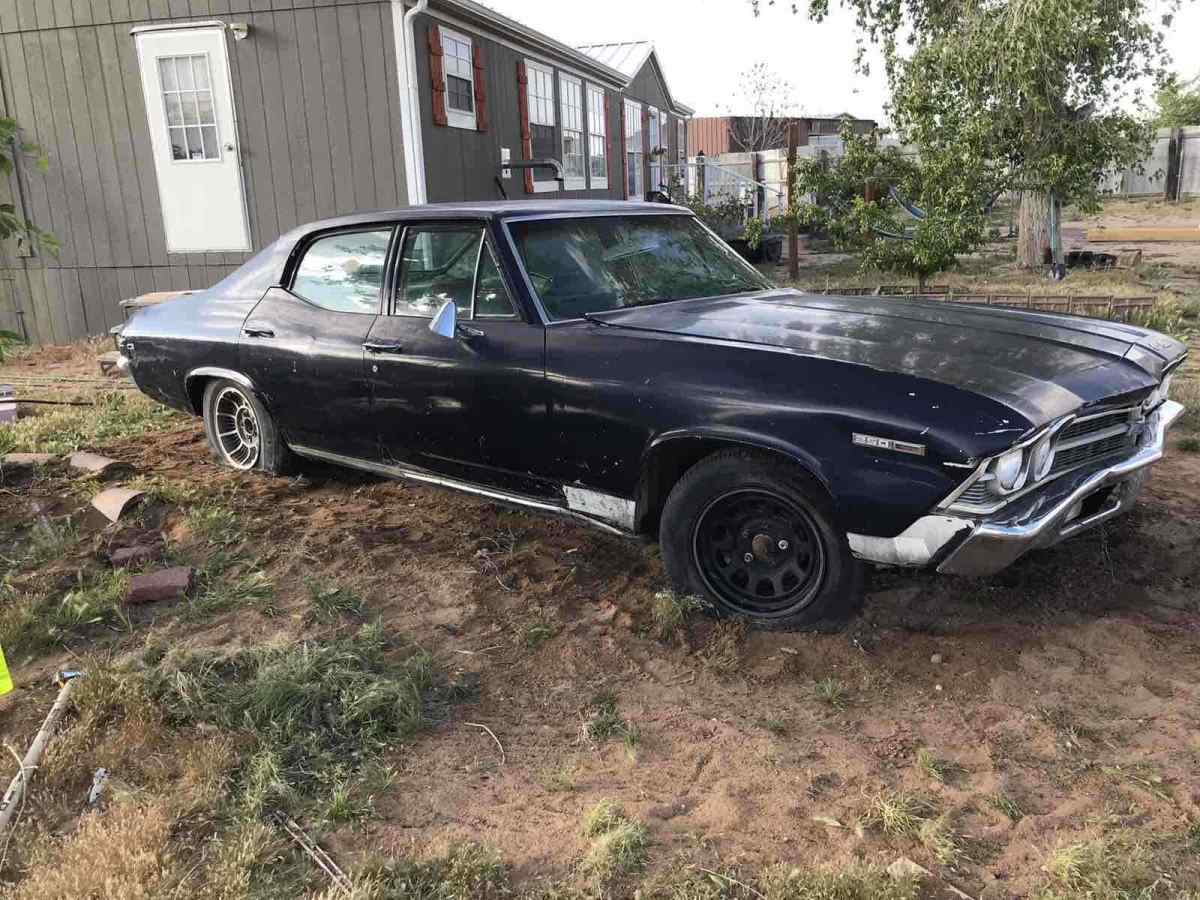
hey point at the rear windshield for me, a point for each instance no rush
(587, 265)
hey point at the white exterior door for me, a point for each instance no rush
(189, 105)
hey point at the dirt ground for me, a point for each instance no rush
(1051, 708)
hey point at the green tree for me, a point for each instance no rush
(1178, 103)
(12, 226)
(850, 200)
(1035, 96)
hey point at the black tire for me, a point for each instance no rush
(755, 536)
(230, 407)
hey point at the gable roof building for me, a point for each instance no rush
(184, 135)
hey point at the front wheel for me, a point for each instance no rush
(240, 430)
(755, 536)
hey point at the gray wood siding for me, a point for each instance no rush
(462, 164)
(317, 104)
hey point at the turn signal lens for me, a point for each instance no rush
(1041, 459)
(1009, 470)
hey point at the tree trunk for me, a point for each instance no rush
(1033, 230)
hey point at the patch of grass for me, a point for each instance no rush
(537, 634)
(559, 778)
(1187, 392)
(328, 602)
(49, 539)
(938, 836)
(115, 417)
(1006, 806)
(618, 844)
(831, 692)
(31, 623)
(215, 524)
(1114, 867)
(669, 611)
(1189, 444)
(466, 872)
(935, 769)
(252, 590)
(1141, 775)
(722, 652)
(775, 726)
(897, 813)
(855, 882)
(346, 803)
(604, 721)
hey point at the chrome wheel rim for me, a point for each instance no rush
(236, 427)
(760, 553)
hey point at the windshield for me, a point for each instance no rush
(587, 265)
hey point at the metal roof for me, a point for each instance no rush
(628, 58)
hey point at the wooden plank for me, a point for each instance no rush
(383, 169)
(92, 301)
(144, 277)
(179, 9)
(47, 315)
(314, 108)
(277, 144)
(8, 16)
(14, 75)
(303, 206)
(1147, 234)
(199, 9)
(109, 293)
(256, 156)
(88, 146)
(118, 11)
(66, 296)
(143, 154)
(124, 157)
(56, 46)
(46, 13)
(336, 121)
(393, 103)
(106, 137)
(354, 84)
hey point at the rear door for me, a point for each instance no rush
(472, 406)
(303, 343)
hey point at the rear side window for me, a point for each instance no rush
(436, 265)
(344, 272)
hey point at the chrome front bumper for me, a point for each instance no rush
(984, 545)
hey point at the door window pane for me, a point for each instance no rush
(344, 272)
(491, 296)
(436, 266)
(188, 103)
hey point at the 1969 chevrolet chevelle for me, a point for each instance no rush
(619, 364)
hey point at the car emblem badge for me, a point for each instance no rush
(882, 443)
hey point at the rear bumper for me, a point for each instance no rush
(987, 544)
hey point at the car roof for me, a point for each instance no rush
(503, 209)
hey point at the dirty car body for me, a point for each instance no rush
(596, 353)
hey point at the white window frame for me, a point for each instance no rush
(457, 118)
(595, 115)
(578, 182)
(542, 109)
(633, 126)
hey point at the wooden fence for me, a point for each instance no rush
(1104, 306)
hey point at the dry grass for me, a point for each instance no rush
(1114, 867)
(116, 416)
(669, 612)
(618, 843)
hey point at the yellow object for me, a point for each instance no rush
(5, 678)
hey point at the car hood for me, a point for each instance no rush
(1041, 365)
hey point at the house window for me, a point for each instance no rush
(654, 122)
(635, 184)
(597, 138)
(679, 187)
(541, 122)
(459, 73)
(188, 100)
(570, 95)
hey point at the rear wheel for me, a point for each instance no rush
(241, 432)
(755, 536)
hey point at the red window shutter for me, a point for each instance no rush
(481, 119)
(607, 140)
(523, 109)
(437, 75)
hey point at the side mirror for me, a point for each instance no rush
(445, 321)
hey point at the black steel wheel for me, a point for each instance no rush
(756, 536)
(760, 552)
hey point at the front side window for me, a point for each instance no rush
(491, 296)
(344, 272)
(570, 91)
(597, 138)
(580, 266)
(188, 99)
(459, 69)
(436, 265)
(542, 121)
(634, 154)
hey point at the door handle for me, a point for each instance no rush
(383, 347)
(467, 333)
(259, 332)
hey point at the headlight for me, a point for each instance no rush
(1041, 458)
(1009, 470)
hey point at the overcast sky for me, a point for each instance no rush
(704, 44)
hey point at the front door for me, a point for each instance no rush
(302, 345)
(189, 107)
(473, 406)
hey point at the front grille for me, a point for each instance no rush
(976, 495)
(1085, 453)
(1092, 424)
